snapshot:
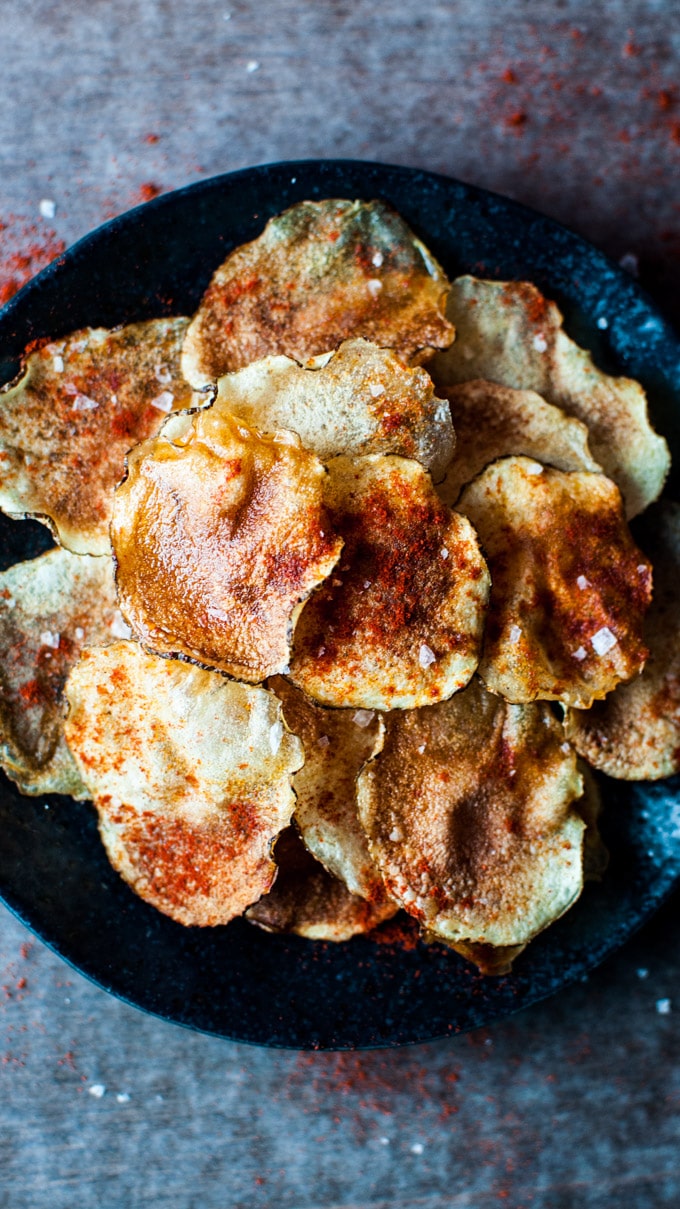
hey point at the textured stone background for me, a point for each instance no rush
(574, 108)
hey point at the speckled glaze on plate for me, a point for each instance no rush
(236, 981)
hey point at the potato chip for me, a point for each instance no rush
(635, 734)
(361, 399)
(50, 608)
(319, 274)
(491, 960)
(494, 421)
(570, 588)
(337, 743)
(308, 900)
(220, 534)
(66, 424)
(190, 774)
(399, 623)
(507, 332)
(469, 815)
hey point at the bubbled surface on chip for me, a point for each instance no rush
(309, 901)
(66, 425)
(50, 608)
(468, 812)
(570, 587)
(360, 399)
(337, 743)
(494, 421)
(319, 274)
(399, 622)
(219, 534)
(635, 734)
(507, 332)
(190, 775)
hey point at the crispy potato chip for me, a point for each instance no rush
(469, 816)
(361, 399)
(318, 274)
(494, 421)
(635, 734)
(50, 608)
(66, 424)
(220, 534)
(190, 775)
(570, 588)
(308, 900)
(491, 960)
(509, 333)
(337, 744)
(399, 624)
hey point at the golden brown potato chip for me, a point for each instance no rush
(50, 608)
(220, 534)
(494, 421)
(570, 588)
(509, 333)
(399, 623)
(337, 743)
(308, 900)
(319, 274)
(469, 816)
(361, 399)
(190, 775)
(635, 734)
(66, 424)
(492, 960)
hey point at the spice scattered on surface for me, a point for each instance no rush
(25, 249)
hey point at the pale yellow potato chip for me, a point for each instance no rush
(360, 399)
(309, 901)
(507, 332)
(493, 421)
(319, 274)
(570, 588)
(337, 743)
(469, 815)
(66, 424)
(190, 774)
(399, 623)
(50, 608)
(634, 734)
(219, 534)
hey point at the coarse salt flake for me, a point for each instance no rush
(515, 633)
(163, 374)
(123, 1097)
(323, 741)
(641, 569)
(534, 468)
(603, 641)
(275, 736)
(663, 1007)
(47, 207)
(252, 65)
(97, 1090)
(642, 973)
(367, 583)
(580, 653)
(47, 638)
(374, 286)
(421, 749)
(426, 656)
(396, 834)
(377, 259)
(163, 401)
(84, 403)
(443, 553)
(417, 1148)
(120, 628)
(603, 323)
(566, 748)
(363, 717)
(376, 389)
(582, 583)
(540, 343)
(80, 633)
(58, 364)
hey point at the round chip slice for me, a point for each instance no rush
(469, 816)
(400, 622)
(570, 588)
(318, 274)
(50, 608)
(337, 744)
(219, 534)
(308, 900)
(635, 734)
(65, 426)
(361, 399)
(507, 332)
(190, 774)
(494, 421)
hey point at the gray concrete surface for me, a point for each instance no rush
(574, 108)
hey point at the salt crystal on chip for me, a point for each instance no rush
(163, 401)
(374, 286)
(580, 653)
(603, 641)
(363, 717)
(582, 582)
(540, 344)
(426, 656)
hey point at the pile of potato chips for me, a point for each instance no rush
(344, 596)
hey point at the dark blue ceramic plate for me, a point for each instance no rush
(236, 981)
